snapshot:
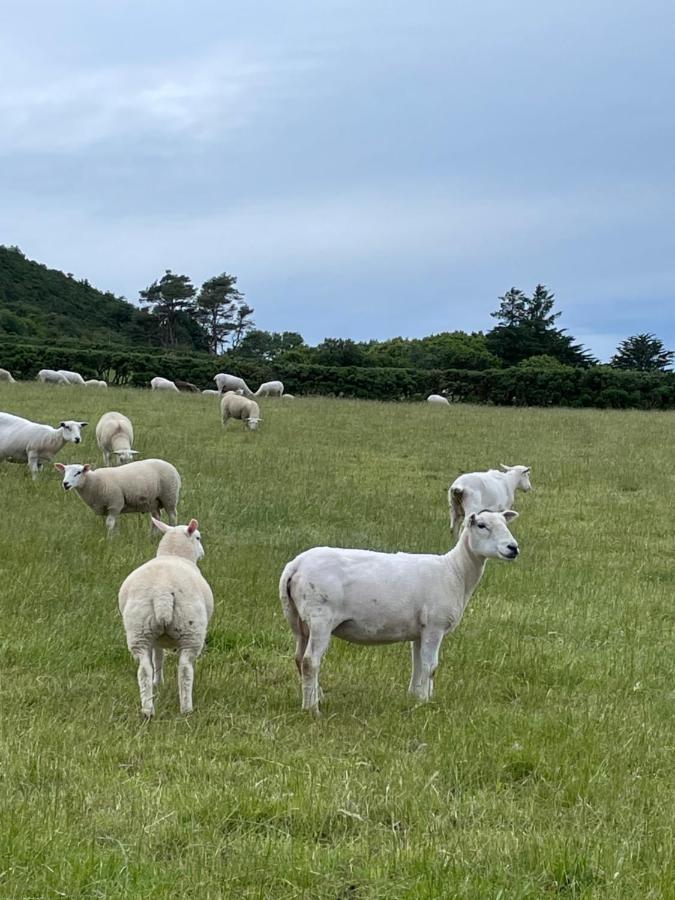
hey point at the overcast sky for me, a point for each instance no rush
(366, 169)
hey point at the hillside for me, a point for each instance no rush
(37, 303)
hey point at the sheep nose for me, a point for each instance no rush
(77, 440)
(513, 549)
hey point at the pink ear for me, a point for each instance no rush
(86, 467)
(60, 467)
(192, 526)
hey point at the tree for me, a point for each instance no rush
(241, 324)
(644, 352)
(167, 299)
(217, 304)
(268, 346)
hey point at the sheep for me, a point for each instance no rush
(438, 399)
(270, 389)
(5, 375)
(71, 377)
(163, 384)
(145, 486)
(288, 397)
(24, 441)
(225, 382)
(51, 376)
(167, 603)
(493, 490)
(115, 435)
(211, 393)
(186, 386)
(367, 597)
(234, 406)
(96, 382)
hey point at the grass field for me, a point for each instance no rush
(544, 765)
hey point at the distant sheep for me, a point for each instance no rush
(24, 441)
(437, 398)
(227, 382)
(270, 389)
(492, 490)
(5, 375)
(288, 397)
(163, 384)
(71, 377)
(145, 486)
(167, 603)
(96, 382)
(382, 598)
(211, 393)
(186, 386)
(234, 406)
(51, 376)
(115, 435)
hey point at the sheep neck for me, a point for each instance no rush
(466, 567)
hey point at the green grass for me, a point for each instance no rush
(542, 768)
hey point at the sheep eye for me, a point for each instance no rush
(484, 527)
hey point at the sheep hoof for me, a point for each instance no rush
(148, 712)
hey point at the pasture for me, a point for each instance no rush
(542, 767)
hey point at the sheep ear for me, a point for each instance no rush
(60, 467)
(159, 525)
(83, 424)
(86, 467)
(504, 468)
(510, 514)
(62, 425)
(134, 452)
(192, 527)
(471, 521)
(527, 470)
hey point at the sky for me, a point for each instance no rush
(366, 169)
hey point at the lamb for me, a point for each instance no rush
(437, 398)
(115, 435)
(24, 441)
(145, 486)
(367, 597)
(493, 490)
(5, 375)
(167, 603)
(51, 376)
(71, 377)
(226, 382)
(186, 386)
(163, 384)
(234, 406)
(96, 382)
(270, 389)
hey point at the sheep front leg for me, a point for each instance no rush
(34, 465)
(416, 677)
(186, 675)
(157, 666)
(429, 651)
(319, 639)
(144, 660)
(111, 521)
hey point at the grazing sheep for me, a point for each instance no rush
(51, 376)
(211, 393)
(493, 490)
(383, 598)
(24, 441)
(163, 384)
(234, 406)
(115, 435)
(145, 486)
(227, 382)
(71, 377)
(186, 386)
(288, 397)
(270, 389)
(437, 398)
(167, 603)
(96, 382)
(5, 375)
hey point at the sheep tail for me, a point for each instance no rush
(287, 601)
(163, 608)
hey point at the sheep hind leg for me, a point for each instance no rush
(144, 659)
(186, 675)
(157, 666)
(319, 639)
(429, 651)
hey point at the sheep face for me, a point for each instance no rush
(73, 475)
(125, 456)
(253, 424)
(489, 535)
(523, 483)
(72, 431)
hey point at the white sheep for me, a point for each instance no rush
(167, 603)
(24, 441)
(145, 486)
(96, 382)
(6, 375)
(209, 392)
(162, 384)
(270, 389)
(493, 490)
(227, 382)
(115, 435)
(51, 376)
(437, 398)
(382, 598)
(234, 406)
(71, 377)
(288, 397)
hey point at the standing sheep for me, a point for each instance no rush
(167, 603)
(24, 441)
(234, 406)
(5, 375)
(145, 486)
(383, 598)
(162, 384)
(186, 386)
(493, 490)
(115, 435)
(96, 382)
(227, 382)
(51, 376)
(71, 377)
(270, 389)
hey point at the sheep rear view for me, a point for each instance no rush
(166, 603)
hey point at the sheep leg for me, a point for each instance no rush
(34, 465)
(173, 516)
(158, 666)
(111, 520)
(144, 660)
(416, 677)
(319, 639)
(106, 458)
(430, 648)
(186, 675)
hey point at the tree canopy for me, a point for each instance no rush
(643, 352)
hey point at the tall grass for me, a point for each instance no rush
(543, 766)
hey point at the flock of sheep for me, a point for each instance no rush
(361, 596)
